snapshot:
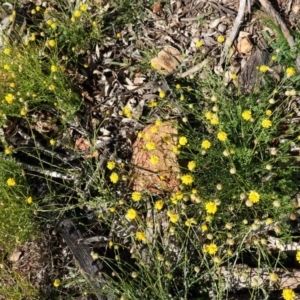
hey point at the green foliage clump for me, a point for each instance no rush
(17, 223)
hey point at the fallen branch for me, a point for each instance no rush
(234, 31)
(91, 269)
(194, 69)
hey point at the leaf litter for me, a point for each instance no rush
(109, 87)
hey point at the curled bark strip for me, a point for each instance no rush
(276, 17)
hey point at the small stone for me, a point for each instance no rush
(222, 28)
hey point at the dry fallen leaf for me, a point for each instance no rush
(167, 59)
(157, 7)
(82, 144)
(15, 256)
(244, 45)
(162, 176)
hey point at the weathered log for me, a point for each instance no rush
(91, 269)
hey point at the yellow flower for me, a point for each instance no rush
(178, 86)
(150, 146)
(204, 227)
(77, 14)
(127, 112)
(10, 182)
(9, 98)
(190, 222)
(246, 115)
(290, 72)
(7, 51)
(208, 218)
(210, 249)
(298, 256)
(273, 277)
(233, 76)
(29, 200)
(154, 159)
(288, 294)
(131, 214)
(118, 35)
(23, 111)
(53, 25)
(199, 44)
(112, 209)
(154, 129)
(263, 68)
(191, 165)
(187, 179)
(56, 283)
(211, 207)
(53, 68)
(175, 149)
(162, 94)
(52, 142)
(268, 112)
(114, 177)
(269, 221)
(136, 196)
(221, 39)
(154, 64)
(32, 37)
(208, 115)
(152, 103)
(83, 7)
(159, 204)
(8, 150)
(274, 57)
(181, 97)
(214, 120)
(222, 136)
(254, 196)
(37, 8)
(6, 67)
(51, 43)
(206, 144)
(266, 123)
(183, 141)
(111, 165)
(174, 218)
(141, 236)
(158, 122)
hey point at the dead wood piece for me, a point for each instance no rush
(234, 31)
(195, 69)
(250, 76)
(91, 268)
(157, 177)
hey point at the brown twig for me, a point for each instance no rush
(276, 17)
(234, 31)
